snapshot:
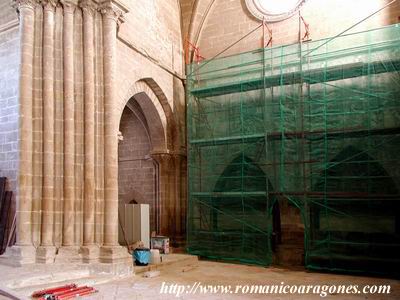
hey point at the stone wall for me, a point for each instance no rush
(158, 57)
(9, 74)
(154, 28)
(326, 18)
(136, 169)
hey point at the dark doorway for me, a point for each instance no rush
(288, 233)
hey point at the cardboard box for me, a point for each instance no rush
(161, 243)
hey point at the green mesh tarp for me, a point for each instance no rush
(316, 124)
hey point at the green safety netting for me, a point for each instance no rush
(316, 124)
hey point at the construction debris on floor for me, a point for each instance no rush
(7, 217)
(65, 292)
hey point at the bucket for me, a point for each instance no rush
(141, 256)
(155, 256)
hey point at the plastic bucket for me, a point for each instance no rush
(141, 256)
(155, 256)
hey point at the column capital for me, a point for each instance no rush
(69, 5)
(19, 4)
(162, 157)
(113, 9)
(168, 153)
(49, 5)
(88, 6)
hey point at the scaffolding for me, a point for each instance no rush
(314, 123)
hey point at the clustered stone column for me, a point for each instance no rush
(78, 22)
(108, 250)
(172, 213)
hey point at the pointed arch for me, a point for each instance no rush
(351, 170)
(156, 108)
(242, 174)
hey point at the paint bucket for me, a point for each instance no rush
(155, 256)
(141, 256)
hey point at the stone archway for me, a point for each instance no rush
(238, 210)
(136, 169)
(149, 109)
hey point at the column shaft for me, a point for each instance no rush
(89, 186)
(24, 206)
(167, 189)
(69, 127)
(110, 133)
(48, 125)
(177, 200)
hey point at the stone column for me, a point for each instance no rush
(172, 206)
(111, 251)
(46, 252)
(37, 171)
(24, 252)
(69, 124)
(88, 248)
(167, 191)
(69, 252)
(183, 197)
(180, 208)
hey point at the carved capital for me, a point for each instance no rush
(162, 158)
(114, 10)
(88, 6)
(69, 5)
(49, 5)
(21, 4)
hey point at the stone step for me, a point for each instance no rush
(38, 279)
(167, 260)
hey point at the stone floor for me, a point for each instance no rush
(211, 273)
(186, 271)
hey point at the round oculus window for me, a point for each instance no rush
(273, 10)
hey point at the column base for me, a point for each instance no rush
(68, 254)
(114, 254)
(17, 256)
(46, 254)
(90, 253)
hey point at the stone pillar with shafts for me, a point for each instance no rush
(58, 45)
(172, 213)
